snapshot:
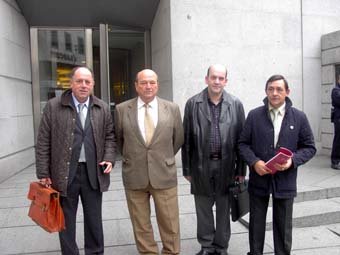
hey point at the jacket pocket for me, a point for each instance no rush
(125, 161)
(170, 161)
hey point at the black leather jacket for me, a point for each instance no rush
(195, 151)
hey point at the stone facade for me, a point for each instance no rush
(254, 39)
(330, 46)
(16, 119)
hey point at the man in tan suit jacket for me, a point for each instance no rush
(149, 133)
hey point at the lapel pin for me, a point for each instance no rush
(291, 127)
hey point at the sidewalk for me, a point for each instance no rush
(19, 235)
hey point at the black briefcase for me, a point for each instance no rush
(239, 199)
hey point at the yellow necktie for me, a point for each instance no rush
(148, 125)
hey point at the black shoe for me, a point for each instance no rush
(221, 253)
(205, 252)
(336, 166)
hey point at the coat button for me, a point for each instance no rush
(70, 148)
(66, 177)
(68, 163)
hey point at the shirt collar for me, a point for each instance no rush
(210, 102)
(76, 102)
(152, 104)
(281, 109)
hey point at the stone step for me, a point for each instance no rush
(316, 193)
(308, 213)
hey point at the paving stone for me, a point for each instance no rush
(316, 183)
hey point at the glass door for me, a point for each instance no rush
(54, 53)
(121, 54)
(114, 54)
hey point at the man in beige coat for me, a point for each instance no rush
(149, 133)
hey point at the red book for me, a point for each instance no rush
(281, 157)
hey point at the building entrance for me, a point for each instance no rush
(114, 54)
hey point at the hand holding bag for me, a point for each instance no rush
(45, 209)
(239, 199)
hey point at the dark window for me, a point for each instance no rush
(68, 41)
(54, 39)
(80, 45)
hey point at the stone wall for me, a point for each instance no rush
(161, 49)
(319, 17)
(330, 52)
(16, 120)
(254, 39)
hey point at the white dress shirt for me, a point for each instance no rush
(281, 113)
(76, 103)
(153, 111)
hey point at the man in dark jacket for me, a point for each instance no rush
(213, 121)
(75, 141)
(335, 157)
(267, 128)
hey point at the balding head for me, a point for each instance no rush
(146, 85)
(216, 80)
(217, 67)
(145, 72)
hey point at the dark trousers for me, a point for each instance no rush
(92, 209)
(335, 156)
(211, 238)
(282, 224)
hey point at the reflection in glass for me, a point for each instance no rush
(59, 52)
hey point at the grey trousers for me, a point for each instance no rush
(213, 237)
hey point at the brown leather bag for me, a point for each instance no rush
(45, 209)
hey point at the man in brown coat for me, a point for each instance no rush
(75, 153)
(149, 133)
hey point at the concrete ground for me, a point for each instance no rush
(316, 217)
